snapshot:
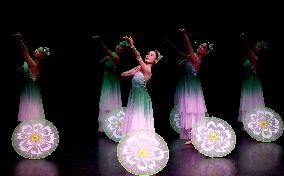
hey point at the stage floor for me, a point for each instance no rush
(95, 155)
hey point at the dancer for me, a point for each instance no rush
(110, 97)
(189, 95)
(139, 112)
(30, 99)
(251, 92)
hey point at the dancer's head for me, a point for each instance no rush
(41, 52)
(260, 47)
(204, 48)
(153, 57)
(121, 47)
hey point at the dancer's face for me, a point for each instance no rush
(38, 54)
(203, 49)
(257, 48)
(151, 57)
(120, 48)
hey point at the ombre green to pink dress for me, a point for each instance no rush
(139, 112)
(189, 99)
(251, 92)
(110, 97)
(30, 99)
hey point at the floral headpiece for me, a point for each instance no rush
(126, 43)
(43, 49)
(262, 44)
(210, 46)
(159, 56)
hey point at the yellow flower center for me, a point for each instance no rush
(120, 123)
(143, 153)
(35, 137)
(263, 123)
(213, 136)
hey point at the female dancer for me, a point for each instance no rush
(251, 92)
(110, 97)
(139, 112)
(189, 95)
(30, 100)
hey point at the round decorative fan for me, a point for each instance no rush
(213, 137)
(113, 124)
(35, 139)
(175, 119)
(263, 124)
(143, 152)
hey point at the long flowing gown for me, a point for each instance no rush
(189, 99)
(31, 106)
(139, 112)
(110, 97)
(251, 92)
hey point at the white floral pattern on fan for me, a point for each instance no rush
(175, 119)
(143, 152)
(35, 139)
(113, 124)
(213, 137)
(263, 124)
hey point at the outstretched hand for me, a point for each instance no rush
(182, 29)
(243, 36)
(18, 35)
(96, 37)
(130, 41)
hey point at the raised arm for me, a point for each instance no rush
(137, 54)
(27, 57)
(113, 55)
(190, 51)
(252, 56)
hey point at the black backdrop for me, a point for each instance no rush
(71, 78)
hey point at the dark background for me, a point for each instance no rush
(70, 80)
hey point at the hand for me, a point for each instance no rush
(182, 29)
(130, 40)
(181, 61)
(18, 35)
(96, 37)
(123, 74)
(243, 35)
